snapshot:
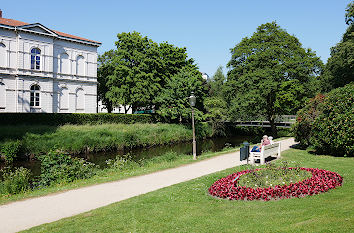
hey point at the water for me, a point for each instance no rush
(212, 144)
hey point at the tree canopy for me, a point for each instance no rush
(270, 74)
(173, 98)
(139, 68)
(340, 66)
(217, 82)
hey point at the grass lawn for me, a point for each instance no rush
(187, 207)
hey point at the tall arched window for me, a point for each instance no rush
(64, 98)
(64, 63)
(2, 95)
(35, 59)
(3, 55)
(80, 65)
(80, 99)
(35, 96)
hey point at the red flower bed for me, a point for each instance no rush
(321, 181)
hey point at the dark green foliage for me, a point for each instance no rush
(72, 118)
(333, 130)
(339, 68)
(105, 68)
(10, 150)
(173, 99)
(270, 75)
(305, 119)
(58, 167)
(217, 82)
(216, 108)
(203, 130)
(14, 181)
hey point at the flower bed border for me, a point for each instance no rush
(321, 181)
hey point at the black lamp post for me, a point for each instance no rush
(192, 101)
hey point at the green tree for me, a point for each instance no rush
(216, 113)
(217, 82)
(134, 81)
(141, 68)
(105, 69)
(173, 98)
(340, 66)
(264, 70)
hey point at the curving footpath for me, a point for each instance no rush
(21, 215)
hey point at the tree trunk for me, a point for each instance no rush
(273, 127)
(109, 107)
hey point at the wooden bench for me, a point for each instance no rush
(266, 151)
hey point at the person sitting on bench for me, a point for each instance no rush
(265, 141)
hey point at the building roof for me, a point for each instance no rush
(16, 23)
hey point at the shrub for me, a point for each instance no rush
(305, 119)
(333, 130)
(327, 122)
(16, 181)
(58, 167)
(10, 150)
(203, 130)
(72, 118)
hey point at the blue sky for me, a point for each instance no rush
(207, 28)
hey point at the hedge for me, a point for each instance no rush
(73, 118)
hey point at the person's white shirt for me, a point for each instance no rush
(271, 140)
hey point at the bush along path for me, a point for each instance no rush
(32, 212)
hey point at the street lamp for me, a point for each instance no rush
(192, 101)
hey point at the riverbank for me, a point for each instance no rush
(92, 197)
(76, 139)
(114, 173)
(187, 207)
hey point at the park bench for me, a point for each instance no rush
(272, 150)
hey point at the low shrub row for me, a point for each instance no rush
(72, 118)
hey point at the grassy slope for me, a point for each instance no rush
(86, 138)
(187, 207)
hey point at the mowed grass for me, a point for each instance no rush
(92, 138)
(187, 207)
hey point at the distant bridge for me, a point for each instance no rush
(284, 121)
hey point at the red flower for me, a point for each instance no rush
(321, 181)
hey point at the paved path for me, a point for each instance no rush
(28, 213)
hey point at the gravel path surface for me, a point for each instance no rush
(28, 213)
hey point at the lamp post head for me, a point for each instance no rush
(192, 100)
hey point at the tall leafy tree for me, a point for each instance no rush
(105, 69)
(264, 70)
(134, 81)
(217, 82)
(141, 68)
(173, 98)
(340, 66)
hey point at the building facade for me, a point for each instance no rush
(42, 70)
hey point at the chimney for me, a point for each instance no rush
(0, 13)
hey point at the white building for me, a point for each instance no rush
(42, 70)
(205, 76)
